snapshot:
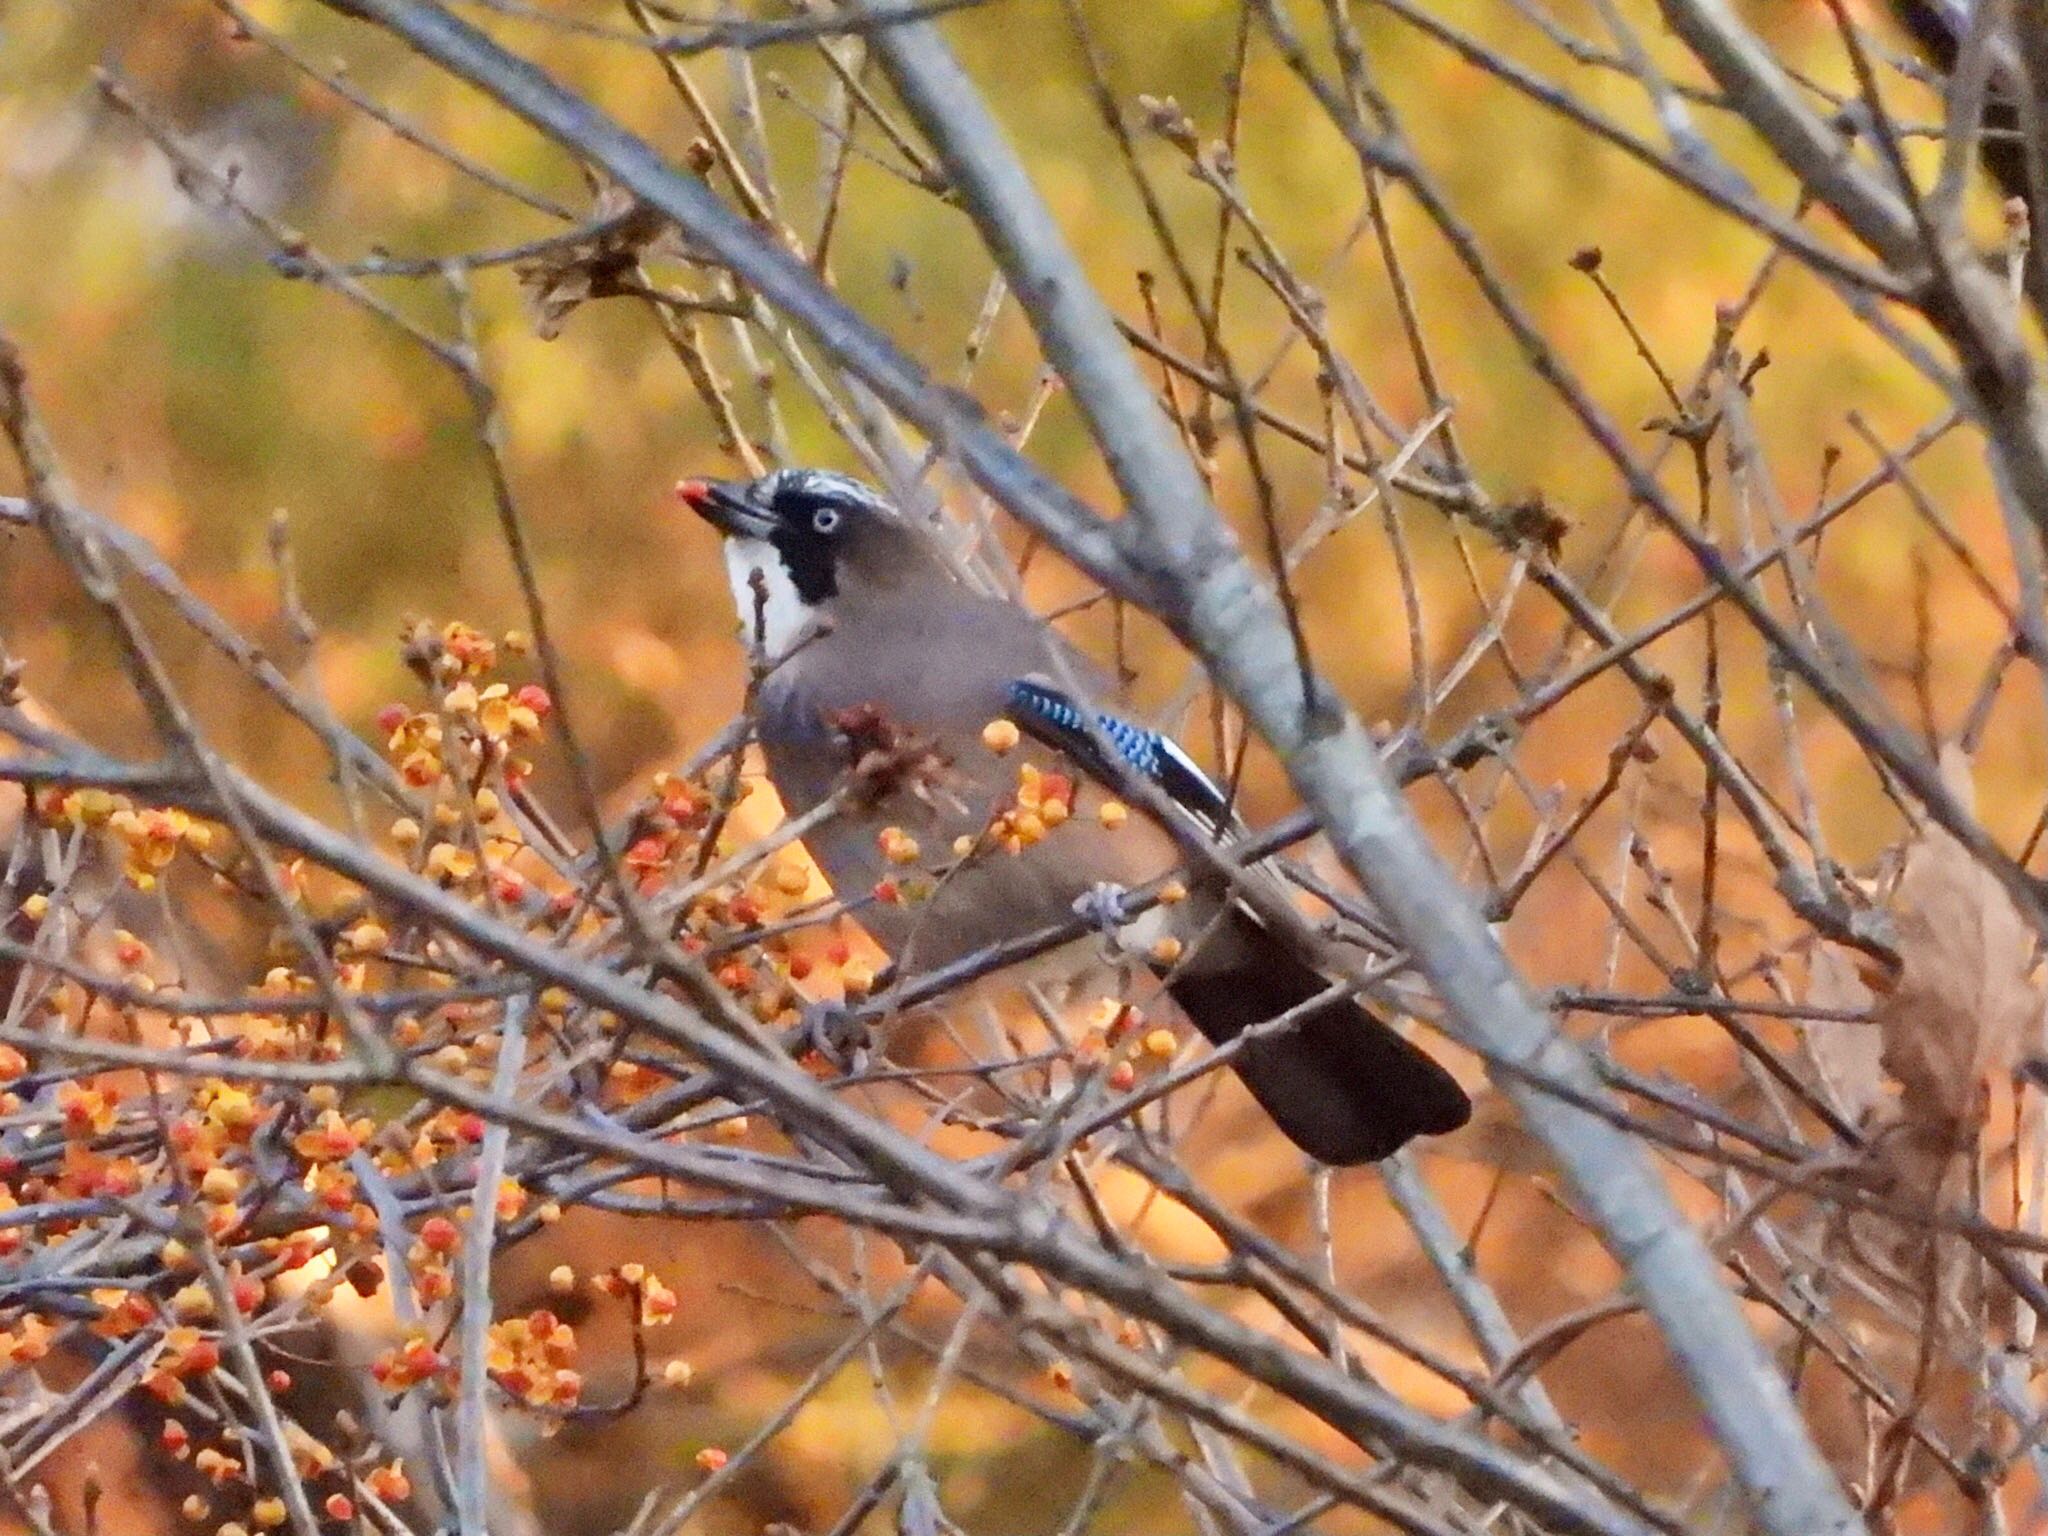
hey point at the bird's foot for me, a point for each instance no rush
(1102, 905)
(832, 1029)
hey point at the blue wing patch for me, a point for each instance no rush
(1049, 716)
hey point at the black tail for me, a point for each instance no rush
(1343, 1085)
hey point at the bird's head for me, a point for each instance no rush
(801, 543)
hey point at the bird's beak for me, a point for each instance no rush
(724, 505)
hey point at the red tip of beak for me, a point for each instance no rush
(693, 493)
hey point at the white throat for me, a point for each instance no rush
(784, 618)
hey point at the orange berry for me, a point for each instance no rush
(389, 1483)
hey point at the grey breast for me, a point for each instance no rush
(939, 674)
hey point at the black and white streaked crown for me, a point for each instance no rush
(795, 488)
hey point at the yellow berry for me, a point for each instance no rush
(192, 1303)
(1112, 814)
(897, 845)
(220, 1183)
(1000, 736)
(369, 937)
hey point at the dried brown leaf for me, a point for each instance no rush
(571, 274)
(1956, 1016)
(1964, 1000)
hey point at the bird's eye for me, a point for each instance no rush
(825, 519)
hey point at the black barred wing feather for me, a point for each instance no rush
(1050, 716)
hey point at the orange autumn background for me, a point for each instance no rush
(226, 412)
